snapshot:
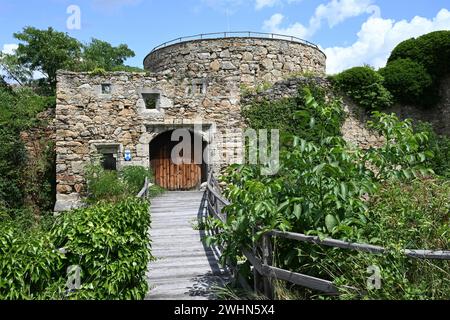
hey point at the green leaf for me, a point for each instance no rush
(298, 211)
(330, 222)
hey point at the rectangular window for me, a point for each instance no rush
(109, 162)
(108, 155)
(106, 88)
(199, 88)
(151, 100)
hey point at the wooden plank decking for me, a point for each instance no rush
(185, 268)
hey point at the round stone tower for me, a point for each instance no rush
(250, 58)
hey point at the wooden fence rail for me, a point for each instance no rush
(265, 273)
(143, 194)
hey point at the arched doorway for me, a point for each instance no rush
(171, 176)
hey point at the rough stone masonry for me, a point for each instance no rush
(188, 83)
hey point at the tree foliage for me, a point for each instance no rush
(109, 242)
(431, 51)
(365, 86)
(407, 80)
(14, 70)
(47, 51)
(326, 188)
(101, 54)
(413, 62)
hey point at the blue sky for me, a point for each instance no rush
(351, 32)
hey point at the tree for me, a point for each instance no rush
(365, 86)
(4, 85)
(431, 50)
(14, 70)
(408, 81)
(101, 54)
(47, 51)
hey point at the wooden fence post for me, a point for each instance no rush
(256, 275)
(267, 260)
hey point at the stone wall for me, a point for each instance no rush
(438, 116)
(354, 129)
(86, 120)
(197, 82)
(249, 61)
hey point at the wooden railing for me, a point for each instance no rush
(143, 194)
(260, 256)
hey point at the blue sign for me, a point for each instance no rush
(128, 156)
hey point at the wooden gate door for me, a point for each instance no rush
(171, 176)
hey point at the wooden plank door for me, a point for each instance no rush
(171, 176)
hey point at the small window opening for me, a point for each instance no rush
(109, 162)
(199, 88)
(151, 100)
(106, 88)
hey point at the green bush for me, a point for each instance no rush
(12, 162)
(431, 50)
(113, 186)
(440, 147)
(365, 86)
(18, 111)
(134, 177)
(104, 185)
(408, 81)
(109, 242)
(296, 116)
(29, 261)
(402, 215)
(329, 189)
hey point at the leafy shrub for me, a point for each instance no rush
(111, 245)
(18, 111)
(407, 80)
(440, 147)
(431, 50)
(109, 242)
(365, 86)
(404, 153)
(134, 177)
(296, 116)
(12, 162)
(402, 215)
(104, 185)
(28, 261)
(113, 186)
(325, 188)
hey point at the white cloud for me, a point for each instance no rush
(378, 37)
(338, 11)
(296, 29)
(9, 48)
(334, 12)
(265, 3)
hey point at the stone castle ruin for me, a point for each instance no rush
(194, 84)
(127, 118)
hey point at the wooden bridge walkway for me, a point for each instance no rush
(185, 268)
